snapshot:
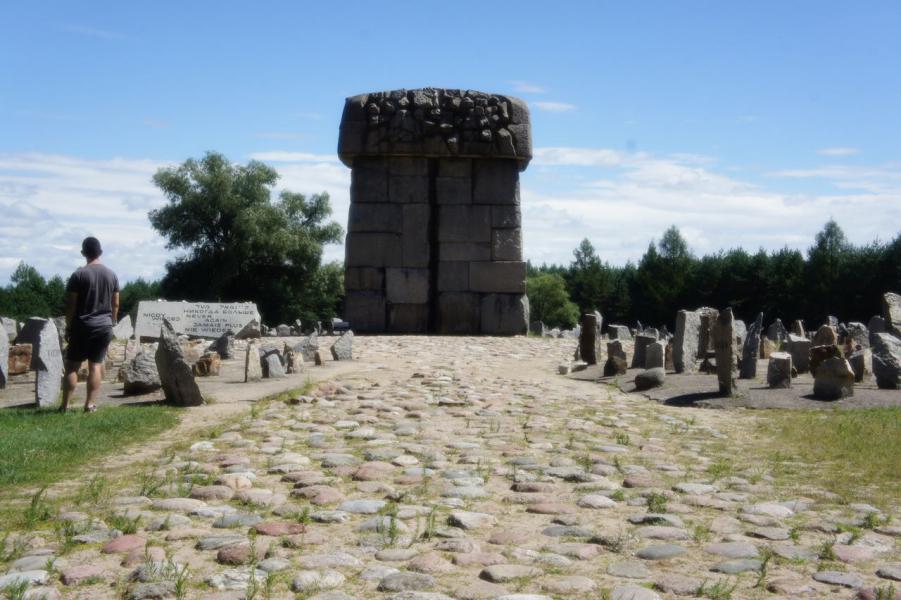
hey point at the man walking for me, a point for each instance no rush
(92, 307)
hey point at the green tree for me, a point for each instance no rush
(549, 302)
(135, 291)
(589, 280)
(30, 295)
(239, 243)
(826, 260)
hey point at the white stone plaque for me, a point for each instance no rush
(201, 319)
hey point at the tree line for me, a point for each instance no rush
(833, 277)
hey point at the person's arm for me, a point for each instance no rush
(71, 303)
(115, 307)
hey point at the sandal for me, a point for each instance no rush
(90, 408)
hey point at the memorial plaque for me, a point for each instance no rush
(200, 319)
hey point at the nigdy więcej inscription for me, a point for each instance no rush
(200, 319)
(434, 239)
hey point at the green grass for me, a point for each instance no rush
(853, 453)
(41, 447)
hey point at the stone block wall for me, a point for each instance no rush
(434, 239)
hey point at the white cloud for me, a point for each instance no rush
(622, 200)
(524, 87)
(555, 106)
(93, 32)
(838, 151)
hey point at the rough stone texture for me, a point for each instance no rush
(639, 356)
(887, 360)
(750, 348)
(891, 313)
(589, 340)
(724, 342)
(859, 361)
(10, 327)
(435, 187)
(271, 363)
(504, 314)
(253, 370)
(19, 361)
(655, 355)
(619, 332)
(779, 370)
(207, 365)
(685, 345)
(4, 359)
(858, 333)
(833, 380)
(342, 349)
(140, 375)
(224, 345)
(175, 373)
(124, 329)
(650, 378)
(48, 365)
(799, 348)
(820, 353)
(825, 336)
(617, 363)
(308, 346)
(776, 332)
(249, 331)
(705, 335)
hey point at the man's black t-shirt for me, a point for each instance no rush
(95, 285)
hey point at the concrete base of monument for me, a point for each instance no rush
(701, 390)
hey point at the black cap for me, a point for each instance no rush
(90, 247)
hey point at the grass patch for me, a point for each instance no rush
(855, 454)
(41, 447)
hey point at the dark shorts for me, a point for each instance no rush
(88, 344)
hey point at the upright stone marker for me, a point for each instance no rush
(589, 340)
(799, 347)
(176, 376)
(8, 326)
(252, 369)
(887, 361)
(639, 356)
(891, 312)
(434, 239)
(825, 336)
(4, 359)
(48, 365)
(724, 344)
(750, 349)
(655, 355)
(685, 346)
(779, 370)
(342, 349)
(198, 319)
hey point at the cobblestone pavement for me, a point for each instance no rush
(459, 468)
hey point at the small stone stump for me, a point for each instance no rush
(650, 378)
(616, 363)
(833, 380)
(140, 375)
(779, 370)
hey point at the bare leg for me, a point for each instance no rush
(69, 382)
(95, 378)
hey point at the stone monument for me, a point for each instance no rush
(434, 240)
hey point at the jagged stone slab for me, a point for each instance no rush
(342, 349)
(48, 365)
(141, 375)
(176, 376)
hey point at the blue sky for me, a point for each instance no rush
(742, 123)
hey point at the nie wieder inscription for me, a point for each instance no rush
(201, 319)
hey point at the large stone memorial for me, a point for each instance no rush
(47, 359)
(198, 319)
(434, 239)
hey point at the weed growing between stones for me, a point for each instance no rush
(16, 591)
(720, 590)
(123, 524)
(38, 509)
(656, 503)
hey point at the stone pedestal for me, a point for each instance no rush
(779, 370)
(685, 345)
(434, 240)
